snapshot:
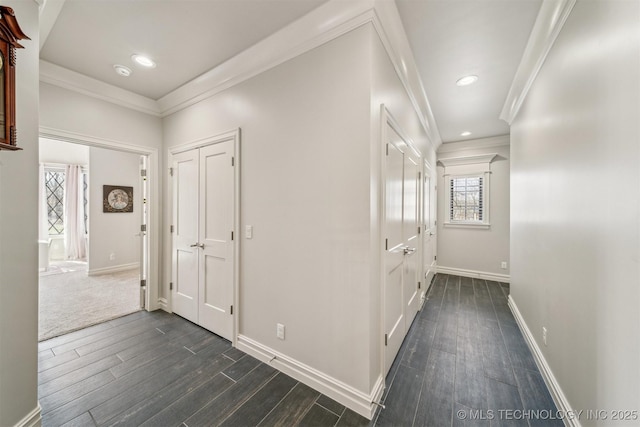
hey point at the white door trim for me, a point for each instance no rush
(153, 302)
(232, 135)
(387, 119)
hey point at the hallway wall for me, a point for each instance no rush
(19, 236)
(575, 192)
(471, 251)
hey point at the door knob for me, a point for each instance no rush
(407, 250)
(197, 245)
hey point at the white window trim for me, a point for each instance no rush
(485, 223)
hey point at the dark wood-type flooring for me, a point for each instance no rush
(463, 351)
(464, 362)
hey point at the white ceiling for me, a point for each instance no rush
(449, 39)
(454, 38)
(185, 37)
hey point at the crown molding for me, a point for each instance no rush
(71, 80)
(322, 25)
(475, 144)
(468, 160)
(551, 18)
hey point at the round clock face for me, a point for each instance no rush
(118, 199)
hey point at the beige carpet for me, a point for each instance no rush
(71, 300)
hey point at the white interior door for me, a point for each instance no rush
(203, 240)
(411, 235)
(394, 323)
(216, 261)
(185, 235)
(428, 251)
(402, 262)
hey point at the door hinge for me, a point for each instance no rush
(231, 310)
(419, 285)
(387, 149)
(386, 244)
(143, 227)
(386, 339)
(143, 172)
(143, 283)
(232, 235)
(418, 230)
(435, 258)
(419, 176)
(170, 286)
(171, 229)
(233, 161)
(435, 222)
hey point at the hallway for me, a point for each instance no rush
(464, 351)
(465, 358)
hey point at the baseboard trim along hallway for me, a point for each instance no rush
(33, 419)
(484, 275)
(547, 374)
(359, 402)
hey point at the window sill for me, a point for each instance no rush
(472, 225)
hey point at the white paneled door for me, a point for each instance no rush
(402, 236)
(429, 240)
(203, 249)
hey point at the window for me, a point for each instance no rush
(466, 180)
(54, 185)
(466, 199)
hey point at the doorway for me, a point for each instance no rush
(204, 242)
(93, 258)
(401, 258)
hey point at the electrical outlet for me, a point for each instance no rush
(112, 256)
(280, 331)
(544, 335)
(503, 265)
(248, 231)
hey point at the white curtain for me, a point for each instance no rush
(74, 238)
(43, 212)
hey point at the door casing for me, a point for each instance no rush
(233, 136)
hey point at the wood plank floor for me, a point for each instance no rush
(463, 352)
(464, 362)
(157, 369)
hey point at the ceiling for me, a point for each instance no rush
(451, 39)
(186, 38)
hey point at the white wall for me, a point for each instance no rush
(472, 251)
(305, 189)
(113, 233)
(63, 153)
(575, 230)
(83, 115)
(19, 235)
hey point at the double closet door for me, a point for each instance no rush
(402, 242)
(203, 246)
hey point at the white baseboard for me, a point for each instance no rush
(348, 396)
(547, 374)
(113, 269)
(32, 419)
(504, 278)
(163, 304)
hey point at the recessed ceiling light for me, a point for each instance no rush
(467, 80)
(465, 133)
(122, 70)
(145, 61)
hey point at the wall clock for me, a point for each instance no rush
(10, 34)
